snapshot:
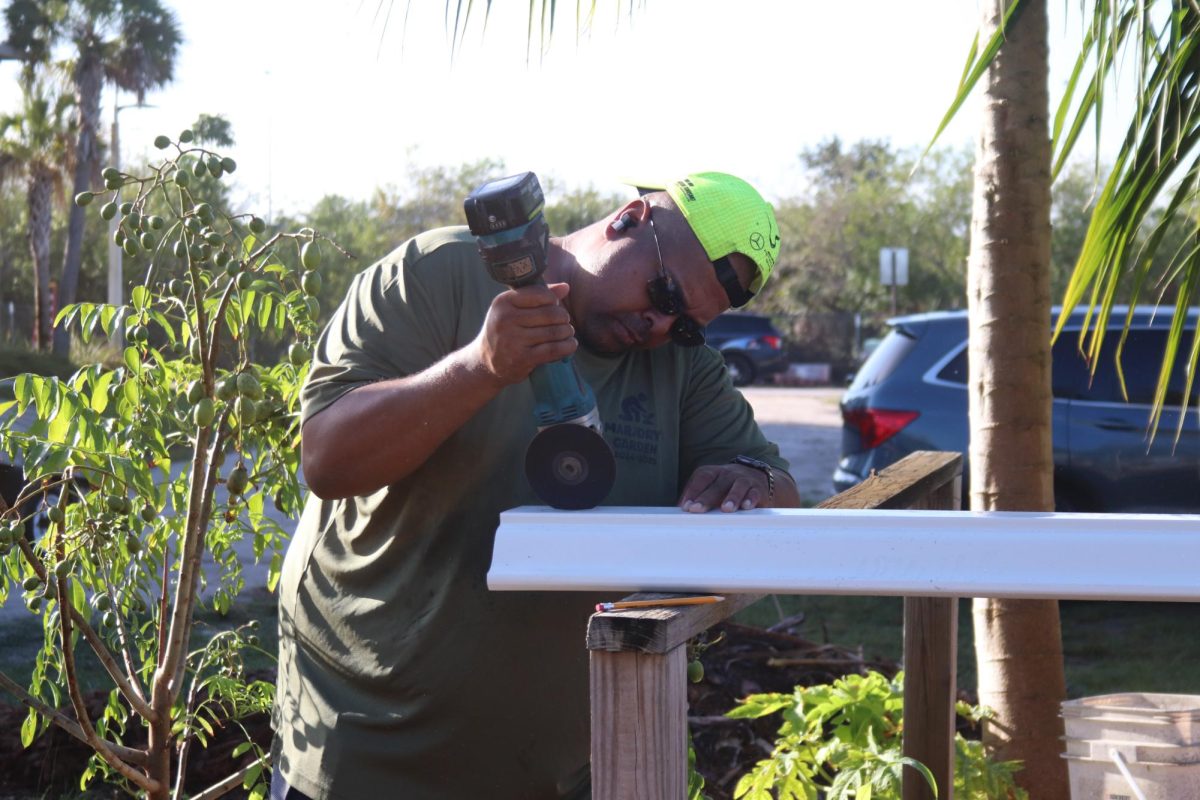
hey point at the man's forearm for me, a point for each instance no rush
(379, 433)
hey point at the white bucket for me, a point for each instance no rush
(1133, 747)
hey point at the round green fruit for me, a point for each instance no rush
(130, 247)
(237, 481)
(695, 671)
(118, 237)
(195, 391)
(298, 354)
(133, 544)
(310, 282)
(108, 210)
(180, 249)
(227, 389)
(109, 620)
(228, 164)
(62, 569)
(56, 515)
(31, 583)
(314, 308)
(103, 602)
(204, 212)
(204, 412)
(147, 240)
(198, 168)
(248, 386)
(113, 183)
(185, 136)
(245, 280)
(126, 207)
(182, 178)
(84, 198)
(109, 173)
(245, 410)
(162, 142)
(256, 225)
(310, 255)
(148, 513)
(223, 259)
(215, 167)
(117, 503)
(157, 223)
(213, 238)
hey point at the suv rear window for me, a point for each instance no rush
(884, 359)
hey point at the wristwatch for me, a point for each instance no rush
(762, 466)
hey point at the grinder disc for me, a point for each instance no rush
(570, 466)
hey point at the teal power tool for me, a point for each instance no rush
(568, 463)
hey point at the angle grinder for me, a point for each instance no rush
(568, 463)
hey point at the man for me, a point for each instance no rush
(400, 675)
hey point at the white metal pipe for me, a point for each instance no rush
(853, 552)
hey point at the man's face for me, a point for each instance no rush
(611, 305)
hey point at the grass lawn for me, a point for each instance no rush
(1107, 647)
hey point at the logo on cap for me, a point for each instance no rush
(756, 240)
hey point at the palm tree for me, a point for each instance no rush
(1018, 642)
(35, 145)
(132, 43)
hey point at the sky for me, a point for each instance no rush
(329, 98)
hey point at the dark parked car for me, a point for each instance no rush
(752, 346)
(911, 394)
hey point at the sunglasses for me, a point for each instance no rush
(666, 298)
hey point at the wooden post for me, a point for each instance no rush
(639, 696)
(639, 725)
(931, 676)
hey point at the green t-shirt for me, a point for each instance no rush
(400, 674)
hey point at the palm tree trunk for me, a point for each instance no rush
(88, 82)
(40, 189)
(1018, 642)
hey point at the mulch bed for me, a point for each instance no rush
(742, 661)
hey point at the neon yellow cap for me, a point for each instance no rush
(727, 215)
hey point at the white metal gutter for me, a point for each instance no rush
(855, 552)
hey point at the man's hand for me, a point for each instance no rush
(730, 487)
(525, 328)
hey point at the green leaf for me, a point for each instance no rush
(140, 297)
(248, 245)
(29, 728)
(132, 359)
(242, 748)
(99, 399)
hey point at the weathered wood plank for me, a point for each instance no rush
(639, 725)
(658, 630)
(930, 675)
(902, 484)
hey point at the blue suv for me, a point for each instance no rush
(911, 394)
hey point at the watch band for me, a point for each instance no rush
(761, 466)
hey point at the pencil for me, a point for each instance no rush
(662, 601)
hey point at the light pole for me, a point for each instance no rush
(116, 279)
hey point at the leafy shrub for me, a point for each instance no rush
(119, 570)
(842, 741)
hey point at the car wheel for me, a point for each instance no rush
(741, 369)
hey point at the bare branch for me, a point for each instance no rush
(69, 725)
(148, 784)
